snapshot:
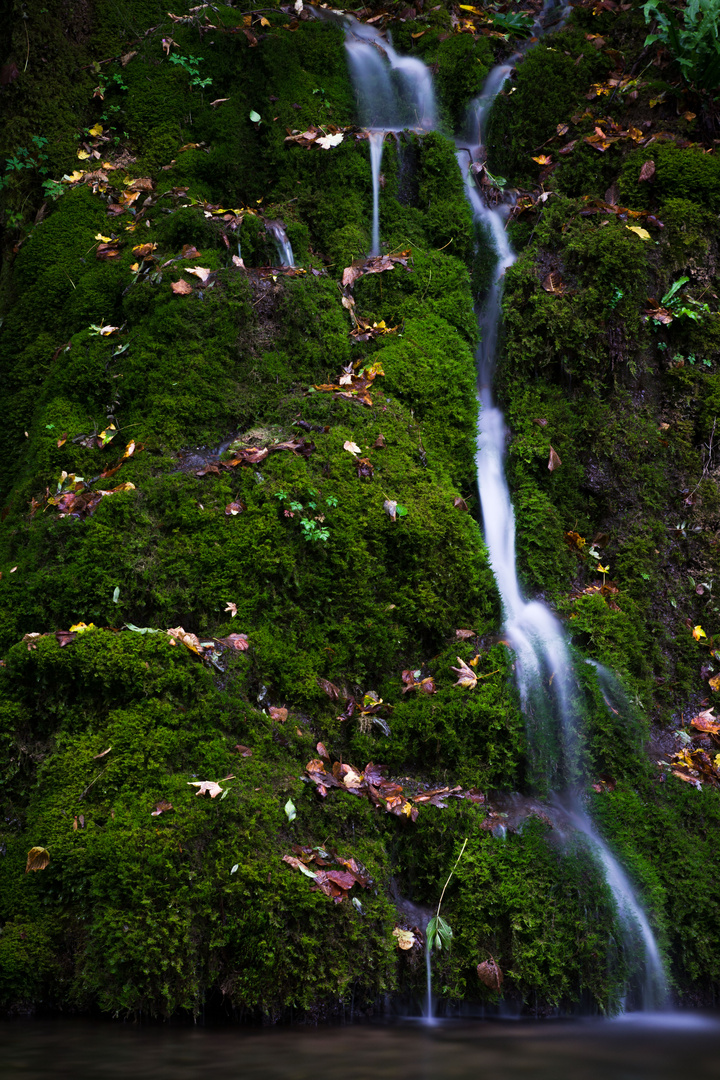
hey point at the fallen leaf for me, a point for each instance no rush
(642, 233)
(233, 509)
(38, 858)
(322, 751)
(200, 272)
(553, 283)
(231, 608)
(698, 633)
(208, 787)
(351, 447)
(298, 864)
(647, 171)
(554, 461)
(328, 141)
(277, 713)
(705, 721)
(467, 677)
(244, 751)
(713, 683)
(162, 807)
(190, 641)
(290, 810)
(390, 508)
(465, 635)
(490, 974)
(543, 159)
(236, 641)
(405, 938)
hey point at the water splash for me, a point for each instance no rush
(283, 245)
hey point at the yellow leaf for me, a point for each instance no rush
(81, 627)
(642, 233)
(38, 858)
(698, 633)
(105, 239)
(714, 683)
(83, 155)
(96, 129)
(543, 159)
(73, 177)
(135, 267)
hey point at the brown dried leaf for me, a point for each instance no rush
(236, 641)
(330, 689)
(243, 751)
(162, 807)
(490, 974)
(647, 171)
(181, 288)
(706, 721)
(278, 713)
(554, 461)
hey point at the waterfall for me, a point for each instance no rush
(392, 92)
(543, 667)
(283, 245)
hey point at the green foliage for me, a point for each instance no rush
(191, 64)
(692, 40)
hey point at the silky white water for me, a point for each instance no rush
(395, 92)
(283, 245)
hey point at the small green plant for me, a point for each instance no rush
(34, 158)
(691, 35)
(511, 22)
(323, 98)
(312, 524)
(439, 932)
(683, 306)
(191, 65)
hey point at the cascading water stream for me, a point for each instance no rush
(393, 93)
(543, 666)
(283, 245)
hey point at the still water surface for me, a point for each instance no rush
(673, 1047)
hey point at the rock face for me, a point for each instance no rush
(202, 592)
